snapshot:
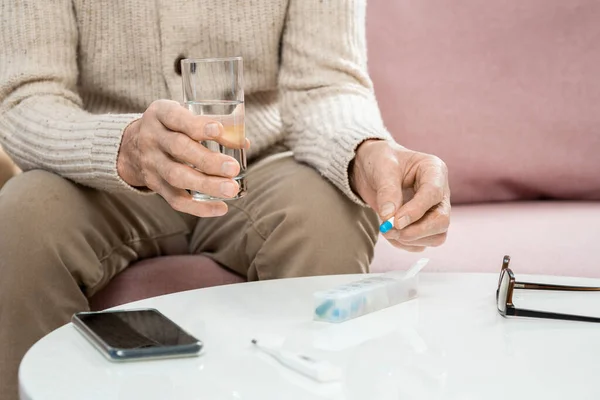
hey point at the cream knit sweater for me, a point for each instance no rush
(75, 73)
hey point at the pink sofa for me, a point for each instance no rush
(507, 93)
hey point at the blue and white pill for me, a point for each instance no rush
(387, 225)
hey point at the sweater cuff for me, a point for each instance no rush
(359, 120)
(105, 151)
(338, 170)
(53, 134)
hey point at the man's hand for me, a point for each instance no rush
(157, 151)
(385, 175)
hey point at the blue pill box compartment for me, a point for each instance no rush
(365, 296)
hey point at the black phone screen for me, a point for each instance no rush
(134, 329)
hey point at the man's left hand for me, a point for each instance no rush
(385, 175)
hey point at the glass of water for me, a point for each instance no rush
(214, 87)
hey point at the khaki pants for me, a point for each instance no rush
(61, 242)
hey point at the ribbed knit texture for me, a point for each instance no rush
(75, 73)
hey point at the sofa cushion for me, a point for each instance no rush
(548, 238)
(162, 275)
(506, 92)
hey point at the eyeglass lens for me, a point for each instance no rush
(503, 291)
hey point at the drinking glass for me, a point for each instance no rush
(214, 87)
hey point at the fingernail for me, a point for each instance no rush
(229, 189)
(403, 222)
(394, 235)
(212, 129)
(229, 168)
(387, 209)
(218, 211)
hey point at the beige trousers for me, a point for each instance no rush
(61, 242)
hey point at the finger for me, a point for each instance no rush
(182, 201)
(181, 176)
(388, 186)
(187, 150)
(412, 249)
(429, 241)
(435, 221)
(429, 193)
(177, 118)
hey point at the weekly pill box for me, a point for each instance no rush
(365, 296)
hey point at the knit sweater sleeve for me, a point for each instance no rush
(328, 105)
(42, 121)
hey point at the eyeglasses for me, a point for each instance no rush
(507, 284)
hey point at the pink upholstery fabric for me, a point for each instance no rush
(506, 92)
(549, 238)
(162, 275)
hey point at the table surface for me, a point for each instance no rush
(449, 343)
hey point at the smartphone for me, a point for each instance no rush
(138, 334)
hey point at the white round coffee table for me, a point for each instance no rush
(450, 343)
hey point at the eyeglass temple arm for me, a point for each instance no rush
(520, 312)
(543, 286)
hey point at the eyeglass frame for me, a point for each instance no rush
(511, 310)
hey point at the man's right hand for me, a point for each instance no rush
(157, 149)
